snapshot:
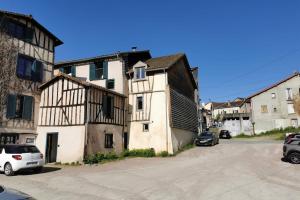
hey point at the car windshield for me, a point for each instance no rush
(21, 149)
(205, 134)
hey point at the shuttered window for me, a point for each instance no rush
(29, 68)
(20, 31)
(71, 70)
(19, 106)
(99, 70)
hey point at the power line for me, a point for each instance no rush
(254, 70)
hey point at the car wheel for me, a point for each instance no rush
(8, 170)
(38, 169)
(294, 158)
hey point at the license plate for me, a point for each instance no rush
(202, 141)
(32, 163)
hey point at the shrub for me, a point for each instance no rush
(163, 154)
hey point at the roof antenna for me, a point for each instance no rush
(133, 49)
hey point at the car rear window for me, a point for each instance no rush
(206, 134)
(21, 149)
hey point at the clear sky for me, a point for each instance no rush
(239, 46)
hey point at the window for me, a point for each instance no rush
(98, 70)
(109, 140)
(264, 109)
(139, 73)
(108, 106)
(273, 96)
(68, 70)
(274, 109)
(110, 84)
(139, 103)
(20, 31)
(19, 106)
(289, 93)
(290, 108)
(146, 127)
(29, 68)
(294, 123)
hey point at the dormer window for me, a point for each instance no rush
(139, 73)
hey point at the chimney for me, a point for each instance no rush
(133, 49)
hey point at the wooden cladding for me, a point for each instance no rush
(66, 102)
(183, 112)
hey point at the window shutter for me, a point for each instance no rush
(92, 71)
(11, 106)
(29, 34)
(39, 71)
(73, 71)
(105, 70)
(27, 108)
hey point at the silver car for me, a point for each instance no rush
(10, 194)
(291, 150)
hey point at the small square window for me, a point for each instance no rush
(110, 84)
(109, 140)
(264, 109)
(146, 127)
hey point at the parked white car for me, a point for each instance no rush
(16, 157)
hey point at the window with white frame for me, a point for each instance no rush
(289, 93)
(139, 73)
(146, 127)
(290, 108)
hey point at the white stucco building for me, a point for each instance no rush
(163, 111)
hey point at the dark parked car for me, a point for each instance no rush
(224, 134)
(207, 138)
(292, 136)
(291, 150)
(10, 194)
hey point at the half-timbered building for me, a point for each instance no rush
(27, 51)
(163, 107)
(78, 118)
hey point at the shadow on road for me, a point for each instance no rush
(31, 172)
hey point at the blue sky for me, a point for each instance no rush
(239, 46)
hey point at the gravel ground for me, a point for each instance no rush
(235, 169)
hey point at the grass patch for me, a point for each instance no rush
(277, 134)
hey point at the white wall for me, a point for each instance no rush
(70, 141)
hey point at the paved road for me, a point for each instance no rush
(233, 170)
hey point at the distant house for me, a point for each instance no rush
(234, 116)
(163, 104)
(27, 60)
(78, 118)
(273, 107)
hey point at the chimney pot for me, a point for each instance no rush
(133, 49)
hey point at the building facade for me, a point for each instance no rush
(78, 118)
(163, 111)
(273, 107)
(27, 58)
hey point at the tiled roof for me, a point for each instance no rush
(31, 19)
(275, 85)
(163, 62)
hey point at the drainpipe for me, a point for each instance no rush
(166, 101)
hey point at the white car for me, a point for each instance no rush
(16, 157)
